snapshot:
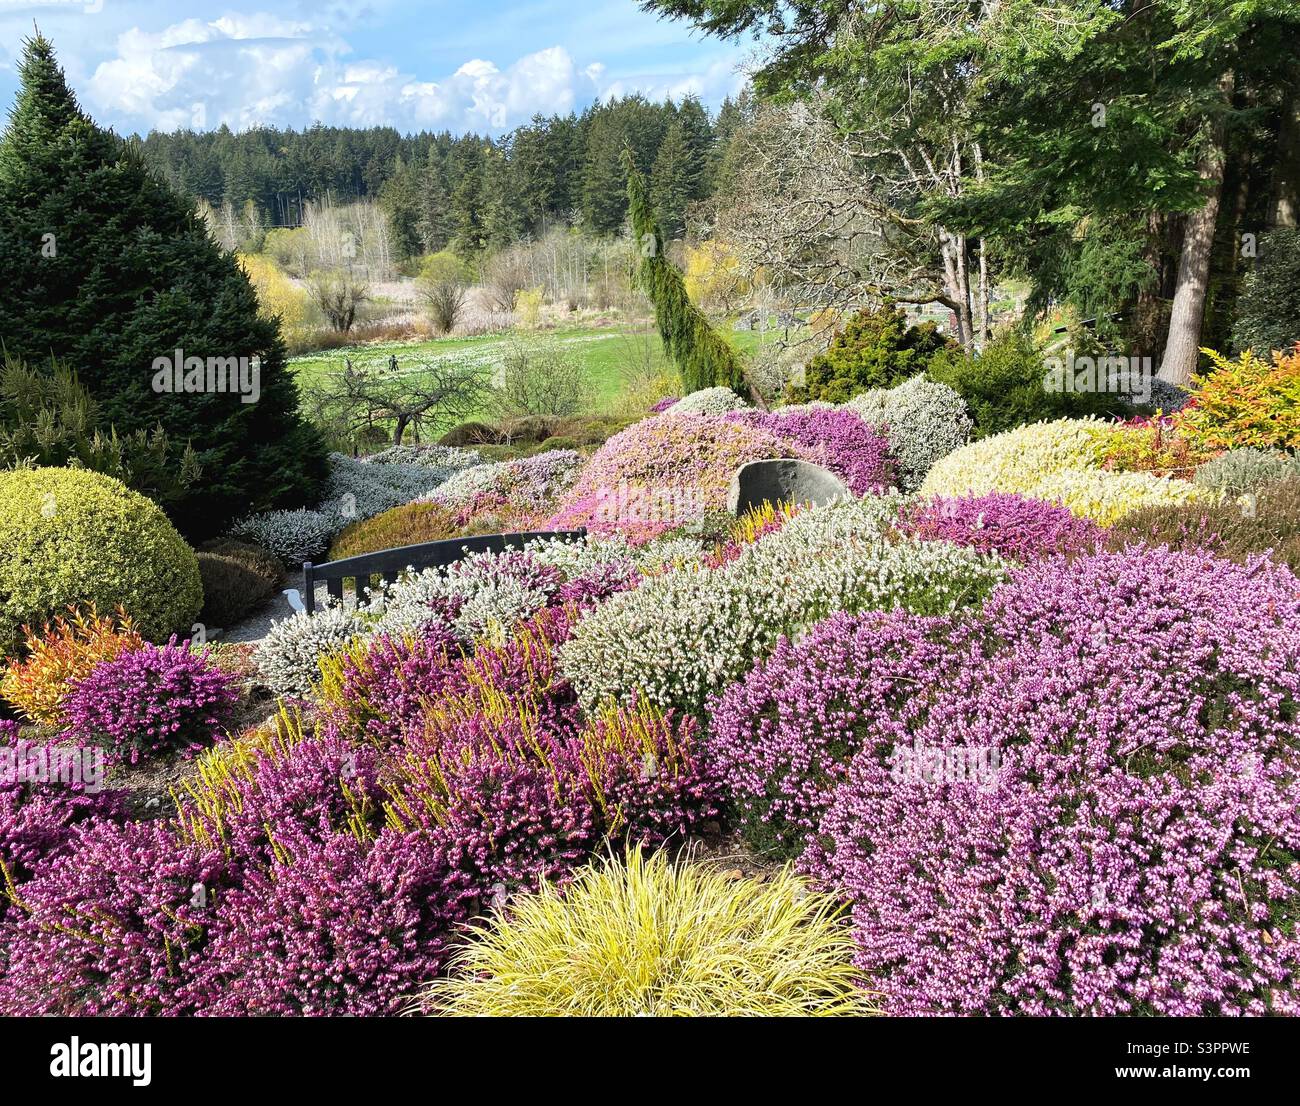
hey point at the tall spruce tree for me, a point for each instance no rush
(702, 356)
(107, 269)
(674, 181)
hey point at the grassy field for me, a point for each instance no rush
(608, 354)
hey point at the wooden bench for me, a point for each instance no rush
(391, 563)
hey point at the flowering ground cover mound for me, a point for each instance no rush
(1013, 526)
(683, 635)
(664, 471)
(921, 419)
(518, 494)
(151, 698)
(1086, 802)
(837, 439)
(1060, 462)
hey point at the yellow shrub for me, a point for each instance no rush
(276, 293)
(1106, 497)
(72, 536)
(650, 937)
(1016, 460)
(713, 276)
(528, 306)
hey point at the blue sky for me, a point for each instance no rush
(485, 65)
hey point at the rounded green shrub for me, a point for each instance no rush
(74, 536)
(253, 557)
(470, 433)
(232, 589)
(559, 443)
(876, 349)
(1003, 386)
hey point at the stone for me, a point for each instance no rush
(783, 480)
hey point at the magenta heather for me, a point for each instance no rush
(335, 926)
(1013, 526)
(653, 776)
(835, 438)
(784, 735)
(314, 789)
(37, 817)
(107, 926)
(152, 698)
(384, 690)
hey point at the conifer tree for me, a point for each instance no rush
(702, 356)
(107, 269)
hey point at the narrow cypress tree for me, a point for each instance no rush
(106, 269)
(702, 356)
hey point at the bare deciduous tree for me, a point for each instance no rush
(830, 216)
(539, 377)
(339, 293)
(419, 396)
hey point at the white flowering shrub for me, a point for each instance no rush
(492, 605)
(681, 636)
(576, 556)
(667, 554)
(356, 490)
(527, 483)
(708, 401)
(293, 536)
(288, 658)
(491, 592)
(442, 458)
(923, 421)
(805, 408)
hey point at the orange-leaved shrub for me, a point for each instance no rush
(64, 650)
(1252, 401)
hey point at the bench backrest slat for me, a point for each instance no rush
(389, 564)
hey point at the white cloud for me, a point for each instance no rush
(720, 78)
(259, 68)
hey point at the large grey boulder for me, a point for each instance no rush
(784, 480)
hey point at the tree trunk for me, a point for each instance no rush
(956, 286)
(984, 295)
(1284, 210)
(963, 292)
(1188, 310)
(399, 429)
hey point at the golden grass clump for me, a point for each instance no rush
(652, 937)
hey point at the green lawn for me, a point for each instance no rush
(606, 352)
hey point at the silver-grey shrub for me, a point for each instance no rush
(293, 536)
(1242, 470)
(923, 421)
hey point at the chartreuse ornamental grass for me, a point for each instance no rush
(656, 938)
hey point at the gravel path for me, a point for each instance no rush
(255, 626)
